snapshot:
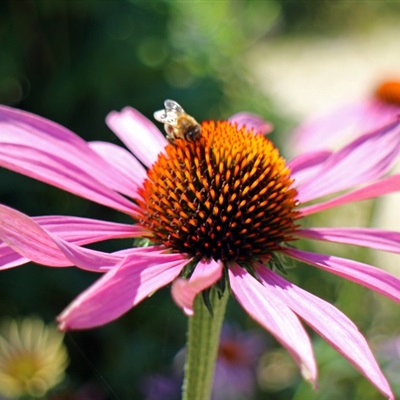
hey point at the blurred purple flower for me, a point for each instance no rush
(235, 375)
(237, 359)
(165, 387)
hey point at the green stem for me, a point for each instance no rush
(202, 346)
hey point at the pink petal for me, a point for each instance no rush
(364, 160)
(9, 258)
(273, 314)
(145, 250)
(30, 240)
(121, 289)
(338, 330)
(185, 290)
(379, 188)
(84, 230)
(76, 230)
(379, 239)
(124, 161)
(138, 133)
(46, 151)
(63, 174)
(307, 165)
(346, 122)
(366, 275)
(251, 121)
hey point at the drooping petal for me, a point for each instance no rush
(120, 289)
(307, 165)
(336, 126)
(83, 231)
(384, 186)
(379, 239)
(46, 151)
(185, 290)
(138, 133)
(31, 241)
(366, 275)
(121, 159)
(251, 121)
(273, 314)
(365, 159)
(10, 258)
(79, 231)
(338, 330)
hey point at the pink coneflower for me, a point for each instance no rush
(350, 120)
(218, 210)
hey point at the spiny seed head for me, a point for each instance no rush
(226, 196)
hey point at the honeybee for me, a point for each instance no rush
(177, 124)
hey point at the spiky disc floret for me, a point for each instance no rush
(226, 196)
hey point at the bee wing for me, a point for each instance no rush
(170, 114)
(160, 116)
(172, 106)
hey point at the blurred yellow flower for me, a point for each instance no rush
(33, 357)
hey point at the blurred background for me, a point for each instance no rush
(75, 61)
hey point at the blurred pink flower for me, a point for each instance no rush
(349, 121)
(218, 210)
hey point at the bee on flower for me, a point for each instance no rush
(177, 123)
